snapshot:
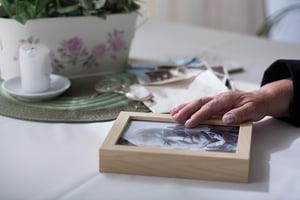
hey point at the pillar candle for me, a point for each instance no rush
(35, 68)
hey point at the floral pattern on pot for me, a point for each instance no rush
(74, 52)
(116, 42)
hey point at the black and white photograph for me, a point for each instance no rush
(168, 73)
(168, 135)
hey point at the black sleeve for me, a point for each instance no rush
(282, 69)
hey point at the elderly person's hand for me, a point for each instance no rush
(236, 107)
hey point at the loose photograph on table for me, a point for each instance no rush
(168, 73)
(168, 135)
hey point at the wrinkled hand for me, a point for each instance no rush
(237, 107)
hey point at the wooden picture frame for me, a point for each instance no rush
(117, 157)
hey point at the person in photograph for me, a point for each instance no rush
(204, 137)
(279, 96)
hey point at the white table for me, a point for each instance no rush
(60, 161)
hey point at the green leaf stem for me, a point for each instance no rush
(24, 10)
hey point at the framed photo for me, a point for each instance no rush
(151, 144)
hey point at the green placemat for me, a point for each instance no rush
(75, 105)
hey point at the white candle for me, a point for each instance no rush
(35, 68)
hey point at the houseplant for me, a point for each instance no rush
(86, 37)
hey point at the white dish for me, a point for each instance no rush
(58, 85)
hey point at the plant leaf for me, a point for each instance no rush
(40, 7)
(8, 7)
(23, 10)
(67, 9)
(99, 3)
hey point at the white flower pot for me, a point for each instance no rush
(80, 46)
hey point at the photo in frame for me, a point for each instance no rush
(168, 135)
(151, 144)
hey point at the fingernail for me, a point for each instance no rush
(229, 118)
(187, 123)
(174, 116)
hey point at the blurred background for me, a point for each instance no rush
(277, 20)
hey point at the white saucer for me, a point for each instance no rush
(58, 84)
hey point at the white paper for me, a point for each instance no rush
(168, 96)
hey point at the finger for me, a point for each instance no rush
(177, 108)
(185, 112)
(203, 114)
(216, 107)
(247, 112)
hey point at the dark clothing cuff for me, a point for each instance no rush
(282, 69)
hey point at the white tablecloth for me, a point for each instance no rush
(60, 161)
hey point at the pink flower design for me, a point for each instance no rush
(99, 50)
(73, 52)
(117, 41)
(30, 39)
(52, 54)
(73, 46)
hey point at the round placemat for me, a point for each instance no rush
(76, 104)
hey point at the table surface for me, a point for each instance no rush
(60, 160)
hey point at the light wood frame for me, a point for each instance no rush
(206, 165)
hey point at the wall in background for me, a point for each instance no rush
(287, 28)
(241, 16)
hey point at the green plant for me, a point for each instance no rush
(23, 10)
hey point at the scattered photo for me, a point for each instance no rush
(159, 75)
(167, 73)
(178, 70)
